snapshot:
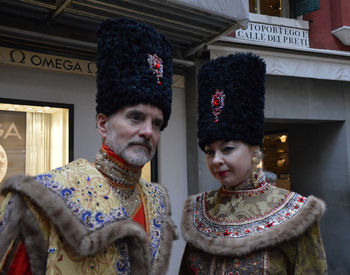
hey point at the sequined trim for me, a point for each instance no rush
(155, 201)
(213, 227)
(265, 263)
(248, 192)
(118, 172)
(122, 265)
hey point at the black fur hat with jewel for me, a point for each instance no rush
(134, 65)
(231, 99)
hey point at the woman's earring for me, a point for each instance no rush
(256, 171)
(255, 160)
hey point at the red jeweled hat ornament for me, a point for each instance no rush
(217, 103)
(156, 65)
(231, 99)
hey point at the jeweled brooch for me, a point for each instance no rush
(156, 65)
(217, 103)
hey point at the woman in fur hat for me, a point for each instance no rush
(247, 226)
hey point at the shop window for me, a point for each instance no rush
(283, 8)
(34, 137)
(276, 158)
(269, 7)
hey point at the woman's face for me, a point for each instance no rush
(230, 162)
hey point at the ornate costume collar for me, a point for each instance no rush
(122, 177)
(235, 222)
(118, 172)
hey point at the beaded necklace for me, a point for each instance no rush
(123, 178)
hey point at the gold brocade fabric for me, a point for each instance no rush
(242, 213)
(63, 260)
(300, 256)
(220, 226)
(236, 206)
(95, 203)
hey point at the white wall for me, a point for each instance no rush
(173, 169)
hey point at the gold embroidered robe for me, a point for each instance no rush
(72, 223)
(267, 230)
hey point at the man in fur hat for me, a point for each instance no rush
(101, 217)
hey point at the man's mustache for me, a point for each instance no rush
(143, 142)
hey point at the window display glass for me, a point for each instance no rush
(33, 139)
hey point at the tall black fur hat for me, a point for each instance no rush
(231, 99)
(134, 65)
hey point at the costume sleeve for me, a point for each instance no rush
(8, 230)
(310, 254)
(303, 255)
(184, 268)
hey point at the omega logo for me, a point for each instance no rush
(92, 65)
(17, 56)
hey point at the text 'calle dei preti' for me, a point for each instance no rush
(274, 34)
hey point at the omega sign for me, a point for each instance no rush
(46, 62)
(273, 34)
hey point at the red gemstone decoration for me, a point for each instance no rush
(301, 199)
(269, 225)
(156, 65)
(217, 103)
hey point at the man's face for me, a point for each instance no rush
(133, 132)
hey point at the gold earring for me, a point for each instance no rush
(255, 160)
(256, 170)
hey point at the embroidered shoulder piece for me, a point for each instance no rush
(247, 220)
(88, 196)
(85, 192)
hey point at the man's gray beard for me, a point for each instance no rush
(140, 158)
